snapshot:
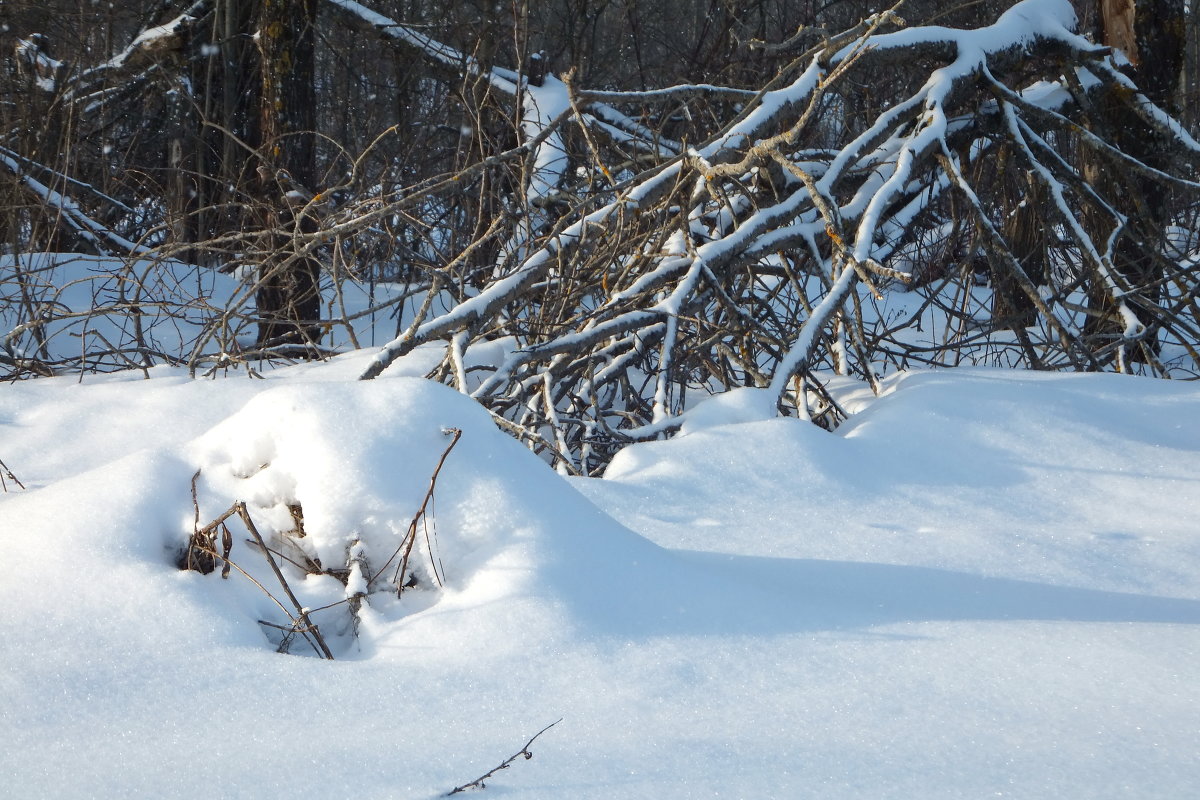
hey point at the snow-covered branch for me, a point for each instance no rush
(748, 259)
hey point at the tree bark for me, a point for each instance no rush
(289, 300)
(1024, 230)
(1151, 34)
(231, 76)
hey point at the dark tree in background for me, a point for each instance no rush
(1151, 36)
(289, 300)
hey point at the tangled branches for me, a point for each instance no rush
(821, 229)
(589, 263)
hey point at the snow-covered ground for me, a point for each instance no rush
(984, 584)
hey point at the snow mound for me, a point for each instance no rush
(357, 460)
(991, 472)
(729, 408)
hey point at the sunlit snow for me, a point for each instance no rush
(983, 584)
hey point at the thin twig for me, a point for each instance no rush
(296, 627)
(5, 472)
(300, 610)
(195, 504)
(478, 783)
(406, 544)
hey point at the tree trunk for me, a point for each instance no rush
(1024, 230)
(1155, 51)
(289, 300)
(232, 78)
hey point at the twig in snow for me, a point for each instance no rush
(297, 626)
(478, 783)
(5, 472)
(300, 610)
(201, 555)
(410, 538)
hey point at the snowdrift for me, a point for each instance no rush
(984, 582)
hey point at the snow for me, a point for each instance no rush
(542, 106)
(984, 584)
(1019, 25)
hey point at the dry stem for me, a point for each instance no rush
(5, 472)
(410, 538)
(478, 783)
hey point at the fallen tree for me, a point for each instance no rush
(771, 249)
(893, 197)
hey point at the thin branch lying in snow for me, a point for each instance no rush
(5, 472)
(478, 783)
